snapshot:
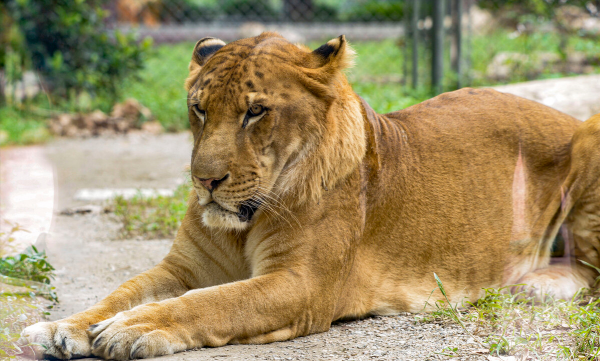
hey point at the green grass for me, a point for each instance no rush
(513, 324)
(152, 218)
(161, 85)
(485, 48)
(22, 278)
(21, 127)
(29, 269)
(31, 265)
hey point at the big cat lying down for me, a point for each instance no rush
(308, 207)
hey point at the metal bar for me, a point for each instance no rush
(405, 36)
(469, 49)
(437, 65)
(414, 26)
(458, 35)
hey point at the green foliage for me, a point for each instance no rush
(157, 217)
(375, 10)
(325, 12)
(532, 13)
(160, 85)
(485, 48)
(587, 335)
(512, 324)
(29, 265)
(544, 8)
(66, 42)
(20, 127)
(29, 269)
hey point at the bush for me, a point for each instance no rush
(67, 44)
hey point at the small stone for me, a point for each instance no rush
(378, 353)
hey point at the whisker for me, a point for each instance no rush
(271, 200)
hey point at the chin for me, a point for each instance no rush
(215, 216)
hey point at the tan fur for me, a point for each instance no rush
(354, 211)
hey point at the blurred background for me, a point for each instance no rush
(63, 60)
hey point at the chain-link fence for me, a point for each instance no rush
(394, 38)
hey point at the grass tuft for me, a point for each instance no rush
(152, 217)
(31, 265)
(513, 324)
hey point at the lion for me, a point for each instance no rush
(308, 207)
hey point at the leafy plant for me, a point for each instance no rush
(21, 127)
(18, 309)
(66, 42)
(375, 10)
(29, 265)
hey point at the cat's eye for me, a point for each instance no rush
(199, 112)
(255, 112)
(255, 109)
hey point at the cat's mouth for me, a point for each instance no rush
(244, 213)
(247, 210)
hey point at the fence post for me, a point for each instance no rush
(407, 29)
(456, 56)
(414, 26)
(437, 61)
(469, 47)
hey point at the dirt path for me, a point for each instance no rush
(91, 261)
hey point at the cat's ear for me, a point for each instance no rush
(204, 49)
